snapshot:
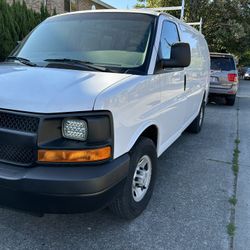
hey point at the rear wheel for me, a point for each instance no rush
(196, 125)
(139, 185)
(230, 100)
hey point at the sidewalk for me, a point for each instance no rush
(242, 215)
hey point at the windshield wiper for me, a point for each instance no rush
(88, 65)
(21, 60)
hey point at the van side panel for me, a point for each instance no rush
(138, 102)
(198, 73)
(134, 104)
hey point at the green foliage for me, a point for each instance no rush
(226, 23)
(245, 58)
(231, 229)
(236, 157)
(54, 12)
(16, 21)
(44, 12)
(233, 200)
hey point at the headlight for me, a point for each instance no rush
(75, 129)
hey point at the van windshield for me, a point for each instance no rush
(116, 40)
(222, 63)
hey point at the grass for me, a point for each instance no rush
(236, 157)
(231, 229)
(237, 141)
(235, 169)
(233, 200)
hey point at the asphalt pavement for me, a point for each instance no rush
(242, 215)
(189, 208)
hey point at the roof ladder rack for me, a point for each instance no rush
(181, 8)
(197, 24)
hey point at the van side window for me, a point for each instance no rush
(169, 36)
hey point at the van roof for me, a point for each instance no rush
(139, 11)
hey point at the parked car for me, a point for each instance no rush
(224, 77)
(89, 100)
(247, 74)
(242, 71)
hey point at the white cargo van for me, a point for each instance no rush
(89, 100)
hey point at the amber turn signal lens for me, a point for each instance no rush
(72, 156)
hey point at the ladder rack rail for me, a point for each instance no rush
(200, 23)
(179, 8)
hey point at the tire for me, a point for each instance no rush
(133, 199)
(196, 125)
(230, 100)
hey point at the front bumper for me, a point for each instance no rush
(62, 189)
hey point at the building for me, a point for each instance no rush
(62, 6)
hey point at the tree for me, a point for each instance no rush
(7, 30)
(44, 12)
(16, 21)
(225, 22)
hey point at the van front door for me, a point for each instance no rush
(172, 89)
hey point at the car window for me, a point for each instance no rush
(222, 63)
(169, 36)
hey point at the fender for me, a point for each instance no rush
(139, 132)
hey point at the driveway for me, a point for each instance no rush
(189, 208)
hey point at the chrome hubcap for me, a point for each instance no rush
(142, 178)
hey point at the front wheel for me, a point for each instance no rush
(139, 185)
(196, 125)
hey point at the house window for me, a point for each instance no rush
(74, 5)
(67, 5)
(70, 5)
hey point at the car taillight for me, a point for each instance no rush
(232, 77)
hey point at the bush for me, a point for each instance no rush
(16, 21)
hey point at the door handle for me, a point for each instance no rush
(185, 82)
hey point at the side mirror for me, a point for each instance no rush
(180, 56)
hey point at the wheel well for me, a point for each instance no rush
(204, 99)
(151, 133)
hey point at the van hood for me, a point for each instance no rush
(49, 90)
